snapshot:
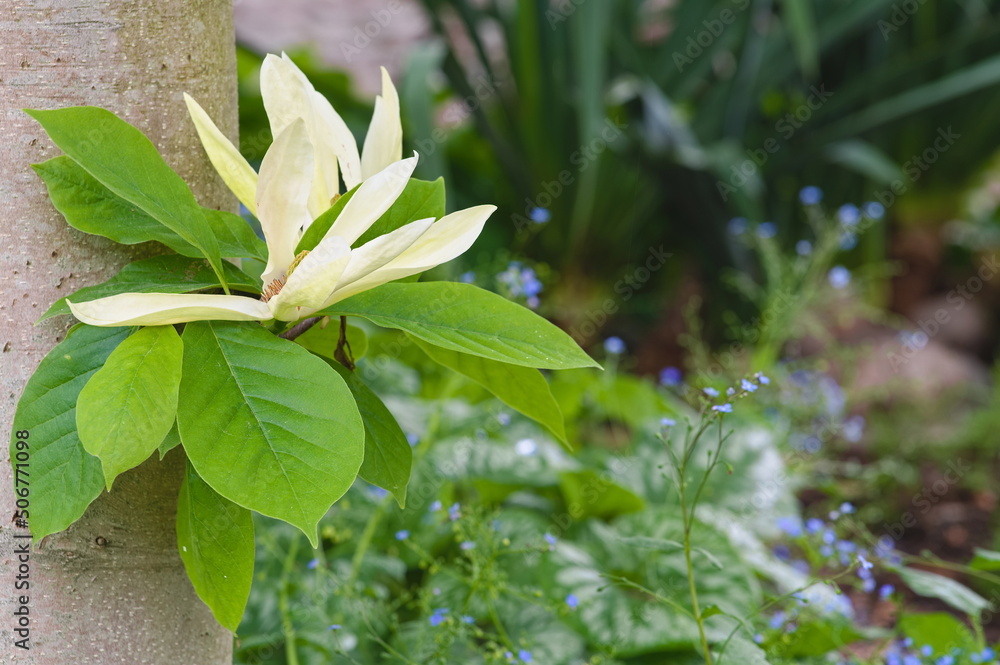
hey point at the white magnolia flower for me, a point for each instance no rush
(298, 286)
(289, 96)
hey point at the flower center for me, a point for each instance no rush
(272, 289)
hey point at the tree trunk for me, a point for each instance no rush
(111, 589)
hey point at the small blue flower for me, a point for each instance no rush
(776, 621)
(803, 248)
(839, 277)
(763, 379)
(874, 210)
(865, 563)
(737, 226)
(723, 408)
(572, 601)
(503, 419)
(550, 539)
(437, 616)
(730, 391)
(335, 626)
(767, 230)
(465, 618)
(467, 277)
(711, 392)
(524, 655)
(848, 214)
(748, 386)
(412, 439)
(468, 545)
(810, 195)
(436, 506)
(848, 241)
(814, 525)
(313, 564)
(454, 512)
(886, 591)
(758, 638)
(614, 345)
(945, 660)
(926, 650)
(790, 525)
(670, 376)
(667, 422)
(847, 508)
(402, 534)
(540, 215)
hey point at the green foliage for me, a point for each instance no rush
(64, 477)
(254, 429)
(216, 544)
(465, 318)
(122, 159)
(957, 595)
(128, 406)
(388, 457)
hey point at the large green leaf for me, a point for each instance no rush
(388, 456)
(64, 478)
(91, 207)
(160, 274)
(940, 631)
(127, 163)
(957, 595)
(520, 388)
(267, 424)
(465, 318)
(128, 407)
(215, 541)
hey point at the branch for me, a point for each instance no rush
(300, 327)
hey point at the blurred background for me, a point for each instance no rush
(697, 190)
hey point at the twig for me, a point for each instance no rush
(300, 327)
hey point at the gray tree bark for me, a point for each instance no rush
(112, 588)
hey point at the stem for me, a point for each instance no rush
(287, 626)
(300, 327)
(343, 354)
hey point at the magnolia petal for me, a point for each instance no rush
(312, 281)
(446, 239)
(159, 309)
(286, 92)
(282, 196)
(375, 195)
(384, 141)
(376, 253)
(334, 135)
(235, 171)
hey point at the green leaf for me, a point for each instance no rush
(591, 495)
(267, 424)
(520, 388)
(465, 318)
(322, 339)
(322, 224)
(160, 274)
(420, 200)
(802, 34)
(741, 651)
(957, 595)
(985, 560)
(215, 541)
(64, 477)
(170, 441)
(128, 406)
(388, 456)
(91, 207)
(940, 631)
(126, 162)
